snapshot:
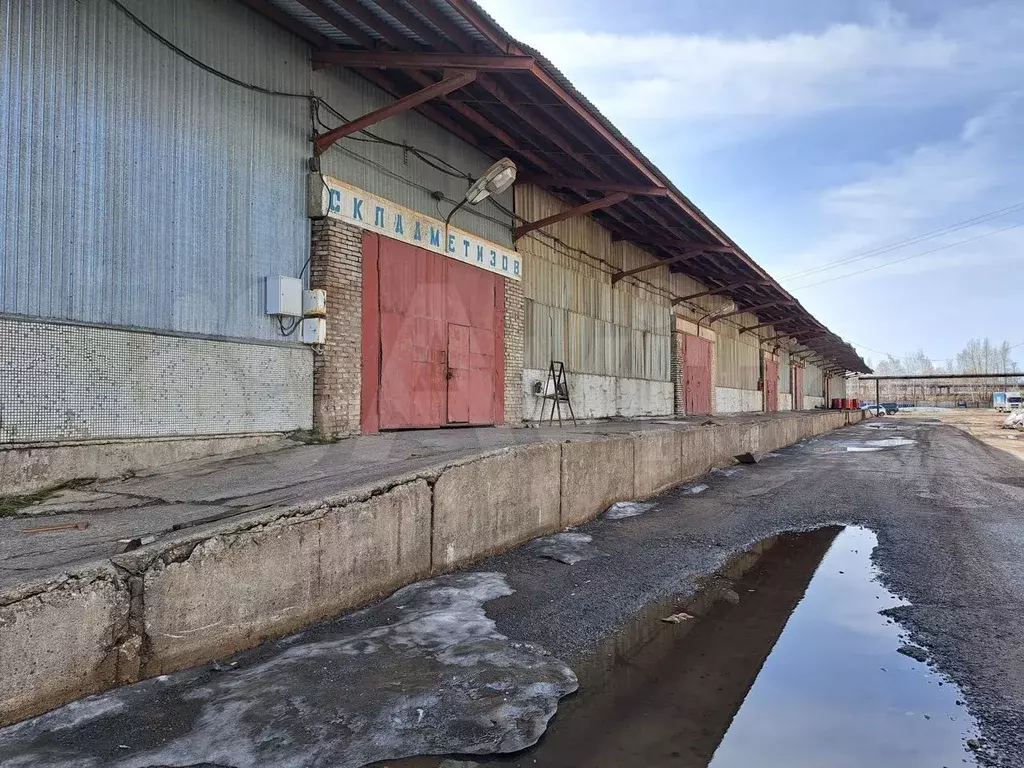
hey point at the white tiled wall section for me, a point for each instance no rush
(67, 382)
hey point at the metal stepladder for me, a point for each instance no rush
(557, 391)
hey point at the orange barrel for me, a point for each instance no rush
(836, 404)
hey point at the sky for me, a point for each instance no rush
(814, 131)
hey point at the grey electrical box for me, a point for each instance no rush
(284, 296)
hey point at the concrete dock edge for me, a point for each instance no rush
(183, 603)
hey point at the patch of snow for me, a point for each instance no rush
(424, 671)
(727, 471)
(695, 489)
(569, 547)
(623, 509)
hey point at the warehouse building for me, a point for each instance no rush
(183, 178)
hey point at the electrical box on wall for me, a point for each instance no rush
(318, 196)
(314, 303)
(284, 296)
(314, 330)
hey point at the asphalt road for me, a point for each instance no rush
(948, 512)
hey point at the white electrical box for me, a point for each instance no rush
(314, 303)
(284, 296)
(314, 330)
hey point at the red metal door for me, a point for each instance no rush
(797, 385)
(771, 385)
(432, 340)
(697, 374)
(459, 387)
(413, 337)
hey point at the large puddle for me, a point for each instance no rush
(783, 660)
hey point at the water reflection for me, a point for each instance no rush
(788, 663)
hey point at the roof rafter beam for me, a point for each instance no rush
(450, 83)
(339, 22)
(595, 186)
(755, 308)
(716, 291)
(795, 336)
(766, 323)
(274, 13)
(424, 60)
(579, 210)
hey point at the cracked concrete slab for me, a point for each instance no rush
(37, 556)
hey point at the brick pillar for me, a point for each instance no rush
(337, 267)
(514, 338)
(678, 385)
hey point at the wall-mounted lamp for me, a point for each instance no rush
(495, 180)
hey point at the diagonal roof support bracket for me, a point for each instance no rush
(716, 291)
(685, 255)
(689, 251)
(748, 310)
(579, 210)
(450, 83)
(763, 325)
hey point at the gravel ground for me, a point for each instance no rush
(948, 511)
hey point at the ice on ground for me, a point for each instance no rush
(424, 671)
(622, 509)
(569, 547)
(695, 489)
(727, 471)
(890, 442)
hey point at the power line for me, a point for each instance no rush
(908, 258)
(981, 218)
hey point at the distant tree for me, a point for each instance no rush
(982, 356)
(914, 364)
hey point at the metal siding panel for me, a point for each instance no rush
(738, 363)
(147, 192)
(814, 385)
(627, 333)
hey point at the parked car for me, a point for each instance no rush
(874, 410)
(890, 408)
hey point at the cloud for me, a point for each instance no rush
(931, 187)
(689, 78)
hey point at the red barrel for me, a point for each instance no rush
(854, 404)
(836, 404)
(846, 404)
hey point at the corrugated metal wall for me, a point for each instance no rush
(738, 364)
(574, 314)
(139, 190)
(813, 382)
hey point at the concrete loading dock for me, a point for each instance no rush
(285, 559)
